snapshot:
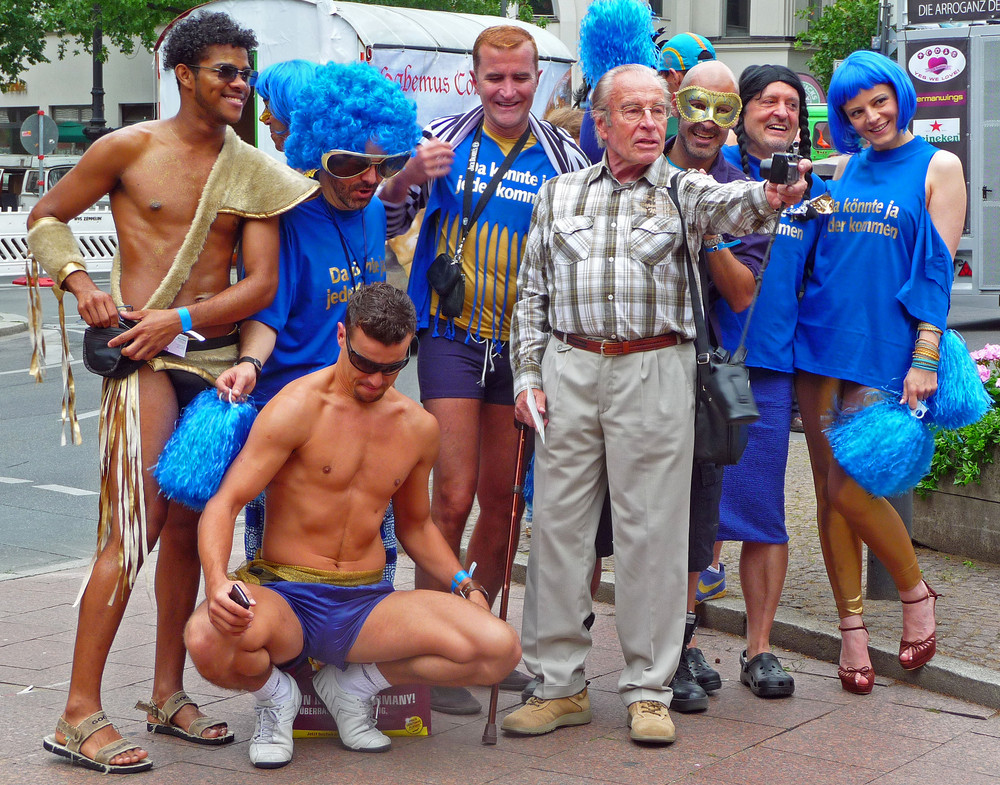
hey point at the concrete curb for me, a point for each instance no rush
(11, 324)
(803, 633)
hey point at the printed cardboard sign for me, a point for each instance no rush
(400, 711)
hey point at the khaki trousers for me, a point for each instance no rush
(625, 423)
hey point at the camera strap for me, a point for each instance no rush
(698, 299)
(469, 218)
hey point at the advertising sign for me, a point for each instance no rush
(441, 82)
(939, 71)
(923, 12)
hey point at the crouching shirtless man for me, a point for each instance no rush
(333, 448)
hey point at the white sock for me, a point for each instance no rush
(363, 680)
(276, 689)
(710, 568)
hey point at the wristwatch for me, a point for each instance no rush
(258, 366)
(470, 586)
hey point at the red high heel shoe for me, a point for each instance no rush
(921, 651)
(848, 676)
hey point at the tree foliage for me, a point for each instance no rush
(126, 24)
(485, 7)
(842, 28)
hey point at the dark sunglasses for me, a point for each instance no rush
(343, 164)
(228, 73)
(365, 365)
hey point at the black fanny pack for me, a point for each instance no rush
(104, 360)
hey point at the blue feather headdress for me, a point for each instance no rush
(207, 439)
(884, 447)
(614, 33)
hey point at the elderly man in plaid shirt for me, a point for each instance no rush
(602, 339)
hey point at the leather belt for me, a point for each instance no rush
(615, 348)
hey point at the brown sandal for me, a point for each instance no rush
(922, 651)
(76, 735)
(848, 676)
(164, 721)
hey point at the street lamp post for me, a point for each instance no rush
(98, 125)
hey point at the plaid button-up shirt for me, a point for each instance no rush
(605, 259)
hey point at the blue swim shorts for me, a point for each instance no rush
(331, 616)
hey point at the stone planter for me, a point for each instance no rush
(962, 519)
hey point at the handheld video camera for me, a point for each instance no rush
(781, 168)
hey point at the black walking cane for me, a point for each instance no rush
(517, 500)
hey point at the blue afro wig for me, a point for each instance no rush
(884, 448)
(862, 70)
(960, 399)
(614, 33)
(343, 108)
(281, 83)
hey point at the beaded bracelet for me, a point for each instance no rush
(929, 327)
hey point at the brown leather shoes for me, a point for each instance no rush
(539, 716)
(650, 722)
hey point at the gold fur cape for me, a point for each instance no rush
(245, 182)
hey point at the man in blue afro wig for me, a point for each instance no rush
(351, 108)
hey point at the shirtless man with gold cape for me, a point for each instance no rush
(185, 192)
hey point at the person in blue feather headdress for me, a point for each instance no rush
(870, 318)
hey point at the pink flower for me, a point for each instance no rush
(991, 351)
(984, 373)
(978, 355)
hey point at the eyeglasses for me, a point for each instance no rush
(633, 113)
(228, 73)
(365, 365)
(344, 164)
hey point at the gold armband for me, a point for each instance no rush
(54, 247)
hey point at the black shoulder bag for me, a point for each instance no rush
(724, 404)
(445, 273)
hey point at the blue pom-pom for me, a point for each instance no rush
(207, 439)
(884, 448)
(960, 399)
(613, 33)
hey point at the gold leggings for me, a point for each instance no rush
(845, 512)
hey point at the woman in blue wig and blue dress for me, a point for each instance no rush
(870, 319)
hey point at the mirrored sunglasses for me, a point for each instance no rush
(698, 105)
(367, 366)
(343, 164)
(228, 73)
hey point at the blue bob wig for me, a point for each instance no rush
(862, 70)
(344, 107)
(280, 84)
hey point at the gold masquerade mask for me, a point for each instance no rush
(698, 105)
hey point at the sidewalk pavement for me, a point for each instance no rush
(967, 665)
(899, 735)
(11, 324)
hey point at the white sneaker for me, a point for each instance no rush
(271, 745)
(355, 716)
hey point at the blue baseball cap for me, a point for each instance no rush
(684, 51)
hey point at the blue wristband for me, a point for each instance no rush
(720, 246)
(460, 577)
(186, 323)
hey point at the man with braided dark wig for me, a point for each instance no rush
(773, 120)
